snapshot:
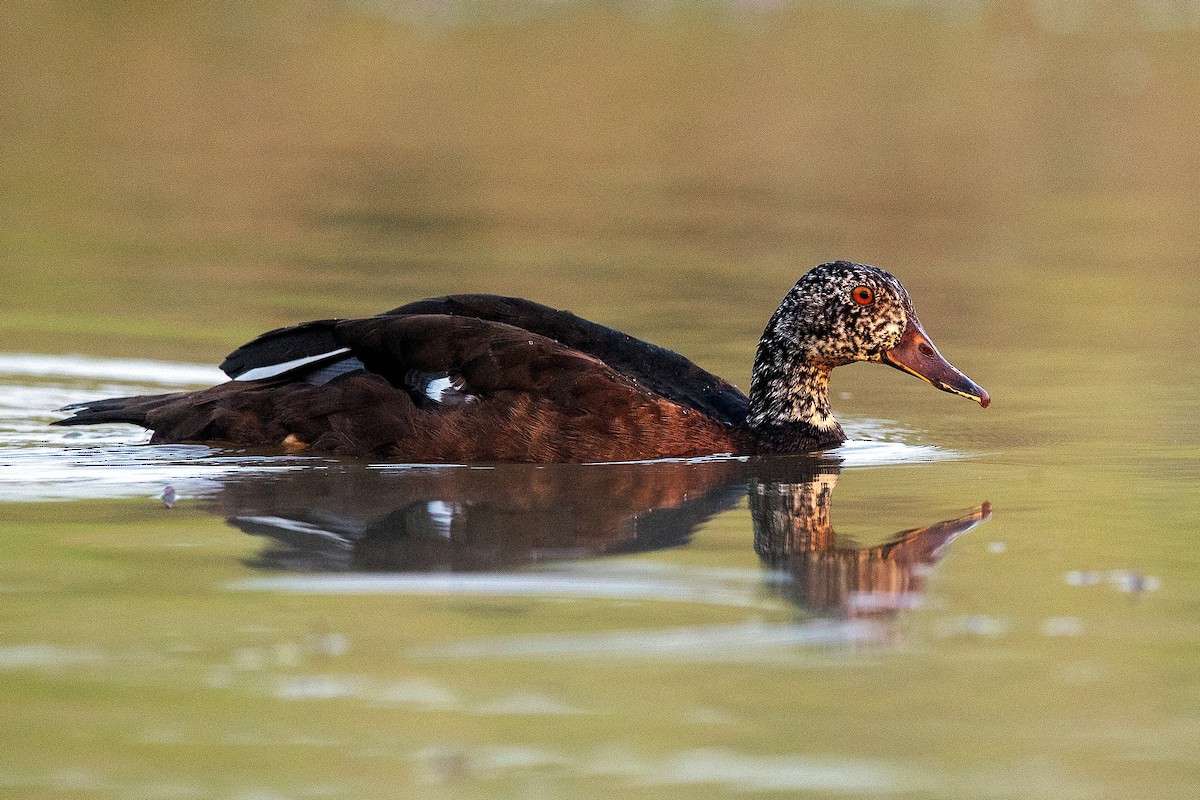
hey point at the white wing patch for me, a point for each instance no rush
(275, 370)
(438, 387)
(442, 388)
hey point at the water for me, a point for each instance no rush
(958, 603)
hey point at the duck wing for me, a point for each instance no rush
(432, 388)
(446, 360)
(661, 370)
(302, 348)
(285, 350)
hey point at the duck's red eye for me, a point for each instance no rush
(863, 295)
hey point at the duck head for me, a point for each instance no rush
(839, 313)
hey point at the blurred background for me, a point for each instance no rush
(176, 177)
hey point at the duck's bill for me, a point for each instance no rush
(916, 355)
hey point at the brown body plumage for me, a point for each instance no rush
(478, 378)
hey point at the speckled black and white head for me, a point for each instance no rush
(838, 313)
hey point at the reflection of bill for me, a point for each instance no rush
(793, 533)
(450, 519)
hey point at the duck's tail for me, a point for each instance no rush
(133, 410)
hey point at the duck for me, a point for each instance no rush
(479, 378)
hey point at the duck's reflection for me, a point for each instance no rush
(793, 532)
(457, 519)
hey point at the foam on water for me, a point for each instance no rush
(878, 442)
(39, 462)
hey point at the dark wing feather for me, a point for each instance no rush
(282, 345)
(656, 368)
(487, 357)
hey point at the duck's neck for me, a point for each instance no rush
(789, 402)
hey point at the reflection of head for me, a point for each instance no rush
(793, 533)
(792, 518)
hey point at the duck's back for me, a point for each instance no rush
(658, 369)
(465, 378)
